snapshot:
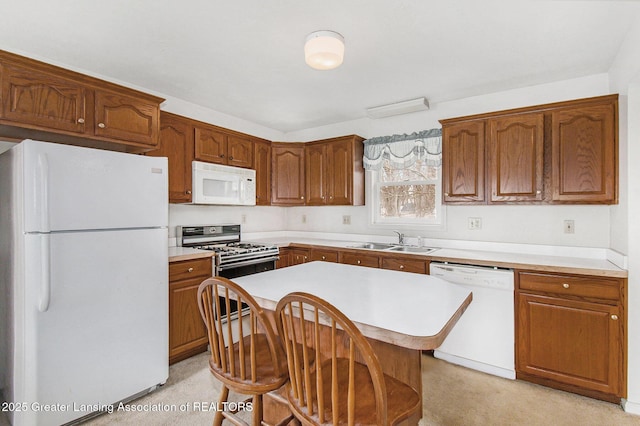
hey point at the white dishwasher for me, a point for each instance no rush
(483, 338)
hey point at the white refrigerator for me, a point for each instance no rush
(83, 280)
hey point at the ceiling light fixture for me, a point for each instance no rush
(413, 105)
(324, 50)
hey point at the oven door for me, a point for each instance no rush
(240, 269)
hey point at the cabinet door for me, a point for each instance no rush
(516, 157)
(287, 185)
(569, 341)
(340, 167)
(262, 165)
(284, 258)
(240, 152)
(210, 145)
(360, 259)
(584, 159)
(463, 146)
(324, 255)
(42, 100)
(187, 332)
(176, 143)
(298, 256)
(316, 174)
(126, 118)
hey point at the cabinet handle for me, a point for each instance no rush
(101, 125)
(358, 262)
(190, 270)
(324, 258)
(446, 194)
(614, 317)
(401, 266)
(565, 285)
(538, 192)
(81, 120)
(305, 258)
(302, 198)
(221, 155)
(231, 157)
(188, 192)
(331, 197)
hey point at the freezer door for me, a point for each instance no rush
(103, 335)
(75, 188)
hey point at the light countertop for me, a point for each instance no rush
(371, 298)
(561, 263)
(185, 253)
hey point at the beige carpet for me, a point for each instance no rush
(452, 395)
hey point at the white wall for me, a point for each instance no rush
(516, 224)
(625, 229)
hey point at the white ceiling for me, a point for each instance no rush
(245, 57)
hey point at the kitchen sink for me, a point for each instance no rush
(413, 249)
(373, 246)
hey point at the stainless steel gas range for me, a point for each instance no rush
(233, 258)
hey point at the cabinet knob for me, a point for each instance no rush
(305, 258)
(331, 197)
(538, 192)
(221, 155)
(401, 266)
(302, 198)
(614, 317)
(101, 125)
(358, 262)
(565, 285)
(324, 258)
(190, 270)
(81, 120)
(188, 192)
(231, 157)
(446, 194)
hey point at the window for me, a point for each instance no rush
(404, 181)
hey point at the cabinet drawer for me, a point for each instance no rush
(360, 259)
(324, 255)
(594, 287)
(190, 268)
(405, 265)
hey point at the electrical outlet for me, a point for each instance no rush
(304, 218)
(569, 226)
(346, 219)
(243, 218)
(474, 223)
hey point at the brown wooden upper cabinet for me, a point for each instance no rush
(334, 172)
(565, 152)
(43, 101)
(214, 145)
(516, 146)
(262, 165)
(463, 161)
(323, 172)
(176, 143)
(584, 153)
(287, 174)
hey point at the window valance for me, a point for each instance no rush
(402, 151)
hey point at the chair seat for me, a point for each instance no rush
(265, 369)
(402, 399)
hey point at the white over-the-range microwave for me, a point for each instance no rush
(224, 185)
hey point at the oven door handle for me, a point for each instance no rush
(224, 267)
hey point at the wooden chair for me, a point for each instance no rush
(246, 355)
(346, 385)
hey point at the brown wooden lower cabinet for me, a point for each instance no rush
(187, 332)
(324, 255)
(360, 259)
(405, 264)
(570, 333)
(298, 256)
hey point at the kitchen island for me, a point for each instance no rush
(400, 313)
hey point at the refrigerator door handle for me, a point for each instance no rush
(45, 273)
(42, 188)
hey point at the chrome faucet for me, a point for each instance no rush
(400, 237)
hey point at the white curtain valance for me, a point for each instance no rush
(402, 151)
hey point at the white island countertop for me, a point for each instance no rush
(410, 310)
